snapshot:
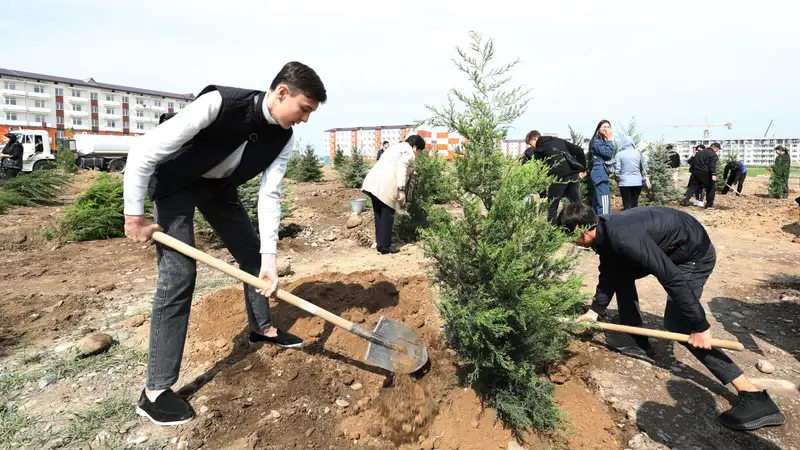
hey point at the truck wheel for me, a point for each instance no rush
(116, 165)
(43, 165)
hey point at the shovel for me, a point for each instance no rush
(716, 343)
(392, 345)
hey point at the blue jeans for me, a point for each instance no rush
(219, 203)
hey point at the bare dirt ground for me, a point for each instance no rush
(325, 396)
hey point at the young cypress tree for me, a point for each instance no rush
(779, 178)
(503, 288)
(354, 169)
(662, 189)
(338, 159)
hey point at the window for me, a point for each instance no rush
(126, 125)
(93, 95)
(11, 101)
(157, 103)
(171, 104)
(76, 93)
(155, 115)
(109, 110)
(77, 121)
(94, 108)
(109, 98)
(59, 91)
(124, 112)
(111, 124)
(38, 104)
(76, 107)
(140, 101)
(10, 86)
(95, 122)
(38, 89)
(60, 134)
(140, 113)
(39, 119)
(180, 105)
(11, 116)
(139, 126)
(60, 120)
(125, 99)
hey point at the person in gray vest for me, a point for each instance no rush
(196, 159)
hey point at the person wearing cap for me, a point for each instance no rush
(705, 168)
(11, 157)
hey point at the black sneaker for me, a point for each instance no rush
(388, 250)
(644, 343)
(283, 339)
(752, 411)
(168, 409)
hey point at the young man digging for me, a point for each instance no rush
(675, 248)
(197, 159)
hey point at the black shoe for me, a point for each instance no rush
(644, 343)
(168, 409)
(388, 250)
(283, 339)
(752, 411)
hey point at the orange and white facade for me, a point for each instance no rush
(368, 140)
(66, 106)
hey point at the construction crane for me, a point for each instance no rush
(768, 127)
(707, 127)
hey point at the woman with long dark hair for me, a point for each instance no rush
(601, 148)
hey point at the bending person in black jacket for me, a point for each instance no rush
(675, 248)
(704, 169)
(549, 150)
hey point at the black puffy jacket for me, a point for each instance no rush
(651, 241)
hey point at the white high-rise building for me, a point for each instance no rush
(752, 151)
(64, 106)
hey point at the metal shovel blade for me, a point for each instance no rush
(409, 354)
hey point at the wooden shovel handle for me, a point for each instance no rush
(245, 277)
(717, 343)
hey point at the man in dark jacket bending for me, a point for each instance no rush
(675, 248)
(549, 150)
(704, 169)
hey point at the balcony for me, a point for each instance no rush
(12, 93)
(34, 109)
(138, 106)
(110, 116)
(111, 103)
(19, 123)
(32, 94)
(80, 127)
(77, 113)
(115, 129)
(77, 99)
(158, 108)
(16, 108)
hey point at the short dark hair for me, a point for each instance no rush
(577, 215)
(385, 142)
(303, 78)
(533, 134)
(416, 141)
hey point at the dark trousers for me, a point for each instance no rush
(732, 181)
(696, 273)
(384, 221)
(698, 194)
(177, 273)
(556, 192)
(10, 173)
(702, 180)
(630, 196)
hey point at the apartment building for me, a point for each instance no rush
(65, 106)
(752, 151)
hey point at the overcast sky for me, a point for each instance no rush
(664, 62)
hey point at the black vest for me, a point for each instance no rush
(240, 119)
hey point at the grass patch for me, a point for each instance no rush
(11, 422)
(38, 188)
(107, 416)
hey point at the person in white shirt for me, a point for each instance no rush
(196, 159)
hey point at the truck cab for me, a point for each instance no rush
(37, 153)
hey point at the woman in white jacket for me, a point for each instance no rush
(385, 184)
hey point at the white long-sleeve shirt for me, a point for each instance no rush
(169, 136)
